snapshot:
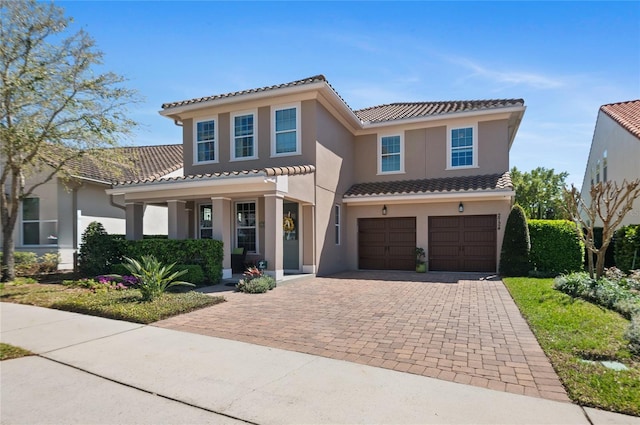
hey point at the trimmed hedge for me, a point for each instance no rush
(514, 256)
(555, 247)
(100, 252)
(627, 248)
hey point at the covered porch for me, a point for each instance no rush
(270, 213)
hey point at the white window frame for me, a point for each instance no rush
(232, 133)
(337, 221)
(199, 218)
(401, 170)
(605, 176)
(276, 108)
(216, 140)
(39, 221)
(474, 146)
(256, 226)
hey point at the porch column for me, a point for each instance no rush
(273, 235)
(222, 226)
(309, 239)
(178, 221)
(134, 214)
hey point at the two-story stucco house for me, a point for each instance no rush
(296, 177)
(615, 151)
(53, 218)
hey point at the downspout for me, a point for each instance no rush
(178, 123)
(115, 204)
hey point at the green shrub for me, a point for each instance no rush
(101, 253)
(154, 278)
(555, 247)
(256, 285)
(98, 250)
(48, 263)
(627, 248)
(119, 269)
(514, 256)
(25, 262)
(194, 273)
(633, 335)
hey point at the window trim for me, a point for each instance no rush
(401, 153)
(39, 221)
(474, 146)
(232, 135)
(216, 140)
(337, 221)
(256, 226)
(274, 109)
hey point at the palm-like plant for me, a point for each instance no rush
(154, 277)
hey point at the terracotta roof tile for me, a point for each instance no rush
(426, 186)
(147, 162)
(627, 114)
(398, 111)
(310, 80)
(270, 172)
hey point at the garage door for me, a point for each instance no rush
(462, 243)
(387, 243)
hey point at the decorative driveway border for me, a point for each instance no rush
(458, 327)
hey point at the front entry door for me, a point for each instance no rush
(291, 236)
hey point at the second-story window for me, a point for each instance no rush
(205, 138)
(462, 149)
(243, 126)
(390, 154)
(286, 130)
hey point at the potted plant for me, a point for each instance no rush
(421, 264)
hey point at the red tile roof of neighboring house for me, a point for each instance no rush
(374, 114)
(398, 111)
(146, 162)
(269, 172)
(627, 114)
(428, 186)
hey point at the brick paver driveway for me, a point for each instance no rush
(457, 327)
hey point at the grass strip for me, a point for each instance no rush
(121, 305)
(8, 352)
(571, 331)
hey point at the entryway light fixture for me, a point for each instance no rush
(461, 207)
(384, 210)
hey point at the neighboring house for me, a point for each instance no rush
(296, 177)
(54, 217)
(615, 151)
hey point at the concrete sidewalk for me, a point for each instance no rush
(94, 370)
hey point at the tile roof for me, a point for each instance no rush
(627, 114)
(147, 162)
(269, 172)
(398, 111)
(429, 186)
(304, 81)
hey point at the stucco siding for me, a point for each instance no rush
(623, 157)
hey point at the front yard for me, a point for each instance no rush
(114, 304)
(575, 334)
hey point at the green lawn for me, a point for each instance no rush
(572, 330)
(122, 305)
(8, 352)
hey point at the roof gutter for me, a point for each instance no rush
(258, 178)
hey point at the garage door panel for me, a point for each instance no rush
(387, 243)
(462, 243)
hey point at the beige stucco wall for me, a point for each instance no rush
(334, 176)
(425, 151)
(263, 139)
(422, 212)
(623, 157)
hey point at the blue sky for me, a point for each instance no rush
(565, 59)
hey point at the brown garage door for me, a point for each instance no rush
(387, 243)
(462, 243)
